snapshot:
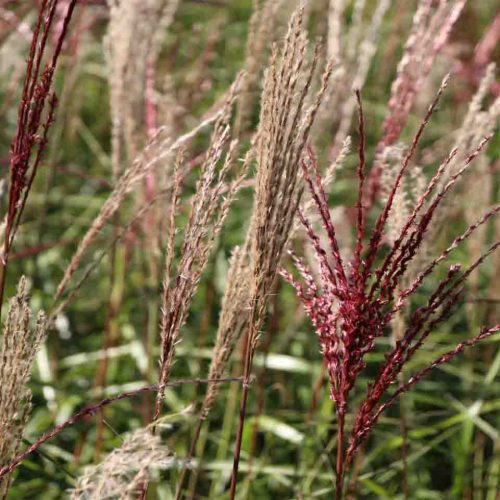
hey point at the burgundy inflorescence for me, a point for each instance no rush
(35, 113)
(351, 304)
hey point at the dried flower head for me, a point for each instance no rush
(132, 45)
(209, 209)
(260, 32)
(122, 473)
(432, 24)
(284, 126)
(160, 148)
(233, 318)
(283, 131)
(19, 345)
(431, 27)
(357, 53)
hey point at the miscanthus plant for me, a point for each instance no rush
(388, 289)
(352, 302)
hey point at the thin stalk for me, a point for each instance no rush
(398, 330)
(3, 272)
(208, 307)
(227, 425)
(316, 392)
(354, 474)
(324, 450)
(404, 446)
(102, 369)
(149, 342)
(92, 410)
(243, 403)
(478, 467)
(191, 453)
(239, 436)
(111, 331)
(199, 452)
(339, 467)
(272, 329)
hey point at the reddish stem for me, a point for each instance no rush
(339, 469)
(243, 404)
(92, 410)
